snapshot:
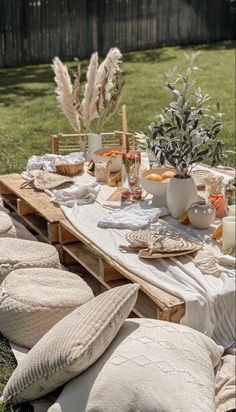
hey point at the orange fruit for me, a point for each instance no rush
(167, 175)
(154, 177)
(184, 219)
(166, 180)
(217, 233)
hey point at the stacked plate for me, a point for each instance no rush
(161, 241)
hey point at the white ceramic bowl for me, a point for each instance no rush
(157, 189)
(116, 164)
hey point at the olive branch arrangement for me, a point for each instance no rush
(186, 132)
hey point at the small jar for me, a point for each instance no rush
(220, 203)
(102, 171)
(201, 214)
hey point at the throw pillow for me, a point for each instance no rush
(71, 346)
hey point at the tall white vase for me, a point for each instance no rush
(181, 193)
(94, 143)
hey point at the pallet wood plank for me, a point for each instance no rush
(39, 201)
(163, 300)
(23, 208)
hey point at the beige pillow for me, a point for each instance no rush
(18, 254)
(7, 228)
(71, 346)
(33, 300)
(151, 365)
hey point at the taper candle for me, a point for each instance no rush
(125, 129)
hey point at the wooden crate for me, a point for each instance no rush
(66, 143)
(152, 302)
(33, 206)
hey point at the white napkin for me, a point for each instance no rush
(50, 161)
(76, 194)
(132, 217)
(211, 262)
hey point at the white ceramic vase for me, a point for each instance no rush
(181, 193)
(94, 143)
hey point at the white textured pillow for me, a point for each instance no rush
(71, 346)
(18, 254)
(33, 300)
(151, 365)
(7, 228)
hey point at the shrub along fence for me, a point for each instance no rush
(33, 31)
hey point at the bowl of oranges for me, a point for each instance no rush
(113, 153)
(155, 182)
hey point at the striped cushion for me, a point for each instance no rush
(34, 299)
(71, 346)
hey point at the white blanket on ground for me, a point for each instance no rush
(210, 300)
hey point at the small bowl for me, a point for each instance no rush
(116, 164)
(157, 189)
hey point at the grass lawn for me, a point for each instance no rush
(29, 113)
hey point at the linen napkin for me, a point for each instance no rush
(76, 194)
(211, 262)
(132, 217)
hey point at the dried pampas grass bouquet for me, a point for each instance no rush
(101, 96)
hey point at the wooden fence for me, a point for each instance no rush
(33, 31)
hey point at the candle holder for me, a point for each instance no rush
(228, 233)
(131, 162)
(220, 203)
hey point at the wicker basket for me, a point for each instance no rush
(70, 170)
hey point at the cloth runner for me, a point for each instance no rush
(210, 300)
(132, 217)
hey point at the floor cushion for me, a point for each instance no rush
(18, 253)
(7, 228)
(71, 346)
(151, 366)
(34, 299)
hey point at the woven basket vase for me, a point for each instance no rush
(70, 170)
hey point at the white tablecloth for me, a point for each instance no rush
(210, 301)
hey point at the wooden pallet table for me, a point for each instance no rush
(47, 219)
(152, 302)
(33, 206)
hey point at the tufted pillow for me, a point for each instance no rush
(151, 366)
(71, 346)
(18, 253)
(7, 228)
(33, 300)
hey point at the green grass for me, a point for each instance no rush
(29, 113)
(7, 364)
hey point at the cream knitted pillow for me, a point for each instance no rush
(7, 228)
(33, 300)
(18, 253)
(151, 365)
(71, 346)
